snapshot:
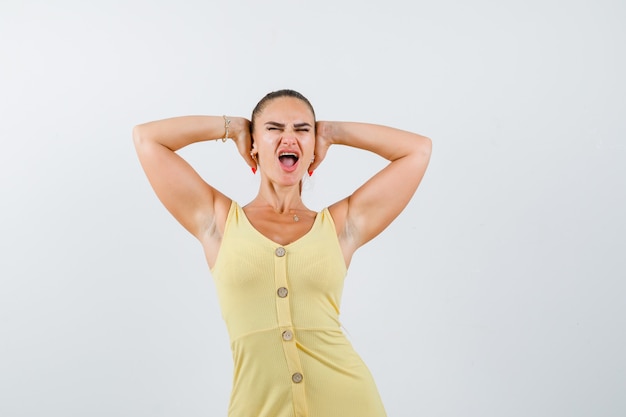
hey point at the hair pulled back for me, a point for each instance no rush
(274, 95)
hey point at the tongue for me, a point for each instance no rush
(287, 161)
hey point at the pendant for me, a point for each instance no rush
(296, 218)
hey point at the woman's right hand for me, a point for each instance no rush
(240, 133)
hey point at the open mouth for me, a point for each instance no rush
(288, 159)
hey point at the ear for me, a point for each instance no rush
(254, 152)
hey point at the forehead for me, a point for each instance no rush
(286, 109)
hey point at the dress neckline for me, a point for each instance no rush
(274, 243)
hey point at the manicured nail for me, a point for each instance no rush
(310, 173)
(253, 170)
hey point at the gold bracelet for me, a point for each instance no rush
(226, 125)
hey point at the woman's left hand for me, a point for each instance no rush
(324, 132)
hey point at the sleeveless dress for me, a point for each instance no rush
(281, 305)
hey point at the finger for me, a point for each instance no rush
(313, 167)
(247, 156)
(317, 161)
(245, 153)
(243, 143)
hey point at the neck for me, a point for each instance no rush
(281, 200)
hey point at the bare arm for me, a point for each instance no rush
(373, 206)
(182, 191)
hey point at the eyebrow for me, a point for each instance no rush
(282, 126)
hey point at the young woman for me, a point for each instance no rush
(278, 266)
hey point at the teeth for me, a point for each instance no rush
(288, 154)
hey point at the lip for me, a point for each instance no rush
(291, 151)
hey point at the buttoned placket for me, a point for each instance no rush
(288, 338)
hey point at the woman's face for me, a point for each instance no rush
(284, 140)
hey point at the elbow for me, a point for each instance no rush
(429, 145)
(424, 146)
(138, 135)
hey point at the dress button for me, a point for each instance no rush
(280, 252)
(287, 335)
(282, 292)
(297, 377)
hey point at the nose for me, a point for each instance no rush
(288, 138)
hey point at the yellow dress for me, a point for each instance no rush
(281, 308)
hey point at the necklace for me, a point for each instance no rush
(294, 216)
(292, 212)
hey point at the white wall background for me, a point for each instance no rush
(500, 291)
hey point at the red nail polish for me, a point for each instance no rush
(310, 173)
(253, 170)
